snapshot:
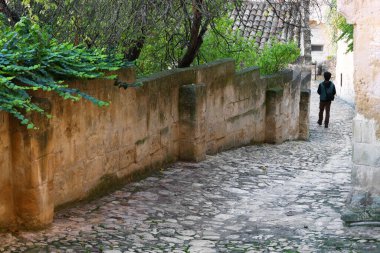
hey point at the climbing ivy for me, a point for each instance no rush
(31, 60)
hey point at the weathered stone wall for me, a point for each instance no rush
(235, 114)
(180, 114)
(365, 198)
(304, 119)
(7, 217)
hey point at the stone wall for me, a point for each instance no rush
(176, 115)
(344, 79)
(365, 198)
(7, 218)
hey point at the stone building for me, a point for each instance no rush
(364, 202)
(330, 56)
(322, 48)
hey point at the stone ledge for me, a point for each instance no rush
(362, 207)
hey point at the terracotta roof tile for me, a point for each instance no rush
(260, 20)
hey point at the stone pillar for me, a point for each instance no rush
(273, 119)
(7, 217)
(304, 120)
(364, 200)
(192, 125)
(33, 170)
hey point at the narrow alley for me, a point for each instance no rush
(265, 198)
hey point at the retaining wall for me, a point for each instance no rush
(182, 114)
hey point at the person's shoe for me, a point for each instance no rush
(319, 123)
(326, 126)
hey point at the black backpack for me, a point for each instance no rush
(329, 91)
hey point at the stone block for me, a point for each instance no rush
(305, 78)
(357, 130)
(274, 99)
(304, 112)
(142, 148)
(366, 154)
(155, 143)
(221, 68)
(94, 170)
(366, 178)
(7, 212)
(192, 124)
(127, 135)
(68, 182)
(192, 150)
(364, 130)
(41, 171)
(35, 206)
(94, 146)
(216, 130)
(166, 136)
(159, 157)
(112, 161)
(127, 156)
(111, 141)
(363, 208)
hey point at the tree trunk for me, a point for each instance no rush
(306, 31)
(134, 52)
(196, 36)
(11, 16)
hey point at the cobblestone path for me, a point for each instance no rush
(266, 198)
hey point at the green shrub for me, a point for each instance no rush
(225, 42)
(159, 53)
(274, 58)
(340, 30)
(30, 60)
(221, 41)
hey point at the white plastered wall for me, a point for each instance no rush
(320, 36)
(344, 80)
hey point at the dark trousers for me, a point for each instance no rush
(324, 105)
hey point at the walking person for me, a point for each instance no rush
(326, 91)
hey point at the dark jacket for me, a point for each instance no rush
(326, 91)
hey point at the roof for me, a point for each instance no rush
(263, 21)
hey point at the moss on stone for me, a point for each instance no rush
(110, 183)
(141, 141)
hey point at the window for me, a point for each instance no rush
(317, 48)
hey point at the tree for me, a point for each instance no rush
(31, 60)
(117, 25)
(157, 34)
(12, 17)
(340, 29)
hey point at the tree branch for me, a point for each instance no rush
(12, 17)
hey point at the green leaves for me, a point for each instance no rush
(339, 28)
(277, 56)
(346, 33)
(222, 41)
(30, 60)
